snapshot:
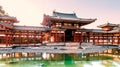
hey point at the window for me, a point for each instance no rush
(1, 26)
(67, 24)
(76, 25)
(58, 24)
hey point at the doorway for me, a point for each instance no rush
(69, 35)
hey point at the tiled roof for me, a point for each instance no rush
(34, 28)
(102, 31)
(98, 30)
(70, 16)
(64, 15)
(73, 19)
(108, 24)
(9, 18)
(6, 24)
(115, 30)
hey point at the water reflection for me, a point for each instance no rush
(69, 61)
(104, 59)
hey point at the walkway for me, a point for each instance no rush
(87, 48)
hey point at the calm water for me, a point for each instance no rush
(109, 59)
(61, 64)
(105, 63)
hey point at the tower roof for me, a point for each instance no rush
(65, 17)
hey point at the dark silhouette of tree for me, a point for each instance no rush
(2, 12)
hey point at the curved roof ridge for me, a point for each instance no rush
(66, 15)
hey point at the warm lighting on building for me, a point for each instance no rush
(52, 39)
(24, 54)
(0, 56)
(46, 56)
(52, 55)
(4, 54)
(17, 54)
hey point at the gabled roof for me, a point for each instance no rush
(32, 28)
(65, 17)
(108, 25)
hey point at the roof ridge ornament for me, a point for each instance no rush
(54, 10)
(74, 12)
(108, 23)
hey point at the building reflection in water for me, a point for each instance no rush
(66, 60)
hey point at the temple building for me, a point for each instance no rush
(11, 34)
(65, 27)
(60, 27)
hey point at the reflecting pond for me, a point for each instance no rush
(109, 58)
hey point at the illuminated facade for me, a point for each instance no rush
(67, 28)
(60, 27)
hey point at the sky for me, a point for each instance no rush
(30, 12)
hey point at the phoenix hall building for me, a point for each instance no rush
(60, 27)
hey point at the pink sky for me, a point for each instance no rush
(30, 12)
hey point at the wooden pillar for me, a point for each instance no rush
(107, 38)
(103, 38)
(34, 39)
(56, 36)
(94, 39)
(8, 37)
(98, 38)
(64, 36)
(6, 40)
(59, 36)
(112, 38)
(119, 39)
(41, 36)
(27, 38)
(9, 40)
(50, 35)
(81, 37)
(12, 39)
(19, 37)
(88, 37)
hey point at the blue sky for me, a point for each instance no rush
(30, 12)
